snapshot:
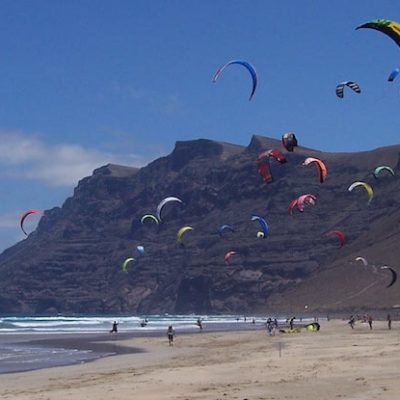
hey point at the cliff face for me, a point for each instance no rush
(71, 263)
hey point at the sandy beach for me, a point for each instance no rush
(336, 362)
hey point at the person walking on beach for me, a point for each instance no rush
(352, 321)
(389, 321)
(271, 328)
(114, 328)
(199, 324)
(370, 321)
(171, 333)
(291, 322)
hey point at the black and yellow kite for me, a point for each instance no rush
(390, 28)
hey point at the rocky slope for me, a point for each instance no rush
(71, 263)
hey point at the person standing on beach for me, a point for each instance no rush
(389, 321)
(352, 321)
(171, 333)
(370, 321)
(291, 322)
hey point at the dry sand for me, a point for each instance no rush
(336, 362)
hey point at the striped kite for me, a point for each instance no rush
(352, 85)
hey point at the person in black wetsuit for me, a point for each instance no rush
(171, 333)
(114, 328)
(370, 321)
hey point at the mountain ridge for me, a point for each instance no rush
(71, 263)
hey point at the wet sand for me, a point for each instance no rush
(336, 362)
(25, 352)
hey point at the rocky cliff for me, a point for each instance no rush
(72, 262)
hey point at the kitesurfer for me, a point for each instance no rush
(171, 333)
(370, 321)
(352, 321)
(114, 328)
(389, 321)
(270, 327)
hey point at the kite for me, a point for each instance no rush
(365, 263)
(363, 260)
(390, 28)
(182, 231)
(289, 141)
(352, 85)
(321, 167)
(164, 202)
(366, 186)
(224, 228)
(263, 164)
(313, 327)
(228, 255)
(140, 249)
(150, 217)
(125, 263)
(394, 275)
(24, 216)
(263, 224)
(292, 204)
(378, 170)
(301, 202)
(305, 199)
(341, 236)
(394, 74)
(245, 64)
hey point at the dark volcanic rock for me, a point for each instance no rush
(71, 263)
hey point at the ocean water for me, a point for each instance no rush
(100, 324)
(17, 357)
(34, 342)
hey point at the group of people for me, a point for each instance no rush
(170, 330)
(368, 318)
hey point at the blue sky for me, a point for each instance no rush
(84, 83)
